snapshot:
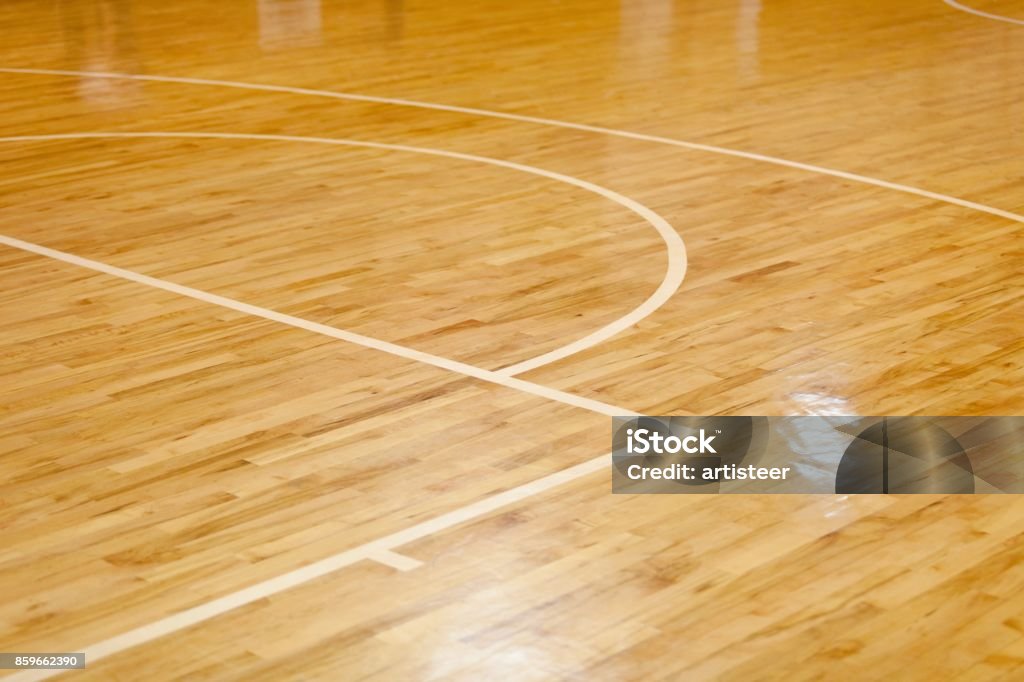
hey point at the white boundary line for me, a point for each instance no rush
(381, 550)
(996, 17)
(675, 249)
(395, 560)
(371, 550)
(725, 151)
(253, 593)
(333, 332)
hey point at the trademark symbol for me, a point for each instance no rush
(718, 431)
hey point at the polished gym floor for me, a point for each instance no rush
(314, 313)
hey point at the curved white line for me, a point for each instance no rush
(996, 17)
(751, 156)
(675, 269)
(644, 309)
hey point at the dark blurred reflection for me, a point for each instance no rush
(396, 18)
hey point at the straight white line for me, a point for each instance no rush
(675, 249)
(206, 611)
(371, 550)
(970, 10)
(299, 323)
(395, 560)
(380, 550)
(725, 151)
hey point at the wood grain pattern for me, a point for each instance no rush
(159, 452)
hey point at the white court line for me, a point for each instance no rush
(395, 560)
(371, 550)
(675, 249)
(204, 612)
(333, 332)
(380, 550)
(696, 146)
(970, 10)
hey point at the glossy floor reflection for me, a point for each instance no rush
(846, 181)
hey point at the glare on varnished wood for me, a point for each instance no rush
(163, 451)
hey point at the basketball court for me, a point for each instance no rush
(316, 314)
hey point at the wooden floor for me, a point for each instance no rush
(309, 386)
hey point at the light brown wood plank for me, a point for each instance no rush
(159, 452)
